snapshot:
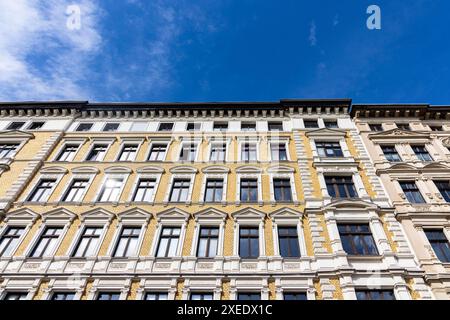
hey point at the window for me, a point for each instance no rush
(282, 189)
(47, 242)
(76, 190)
(295, 296)
(391, 154)
(249, 190)
(357, 239)
(374, 294)
(436, 128)
(329, 149)
(440, 244)
(111, 127)
(201, 296)
(249, 242)
(97, 153)
(128, 152)
(249, 296)
(404, 126)
(311, 124)
(145, 189)
(340, 187)
(411, 191)
(88, 242)
(220, 126)
(192, 126)
(444, 189)
(168, 242)
(180, 190)
(68, 152)
(128, 242)
(139, 126)
(214, 190)
(188, 152)
(156, 296)
(275, 126)
(218, 152)
(84, 127)
(331, 124)
(207, 242)
(36, 125)
(63, 296)
(42, 191)
(376, 127)
(249, 152)
(288, 239)
(7, 150)
(108, 296)
(111, 189)
(278, 152)
(248, 126)
(15, 125)
(157, 152)
(10, 240)
(422, 153)
(16, 296)
(165, 126)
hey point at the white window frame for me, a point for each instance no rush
(105, 123)
(213, 142)
(282, 172)
(43, 176)
(182, 172)
(121, 174)
(248, 172)
(156, 176)
(249, 218)
(195, 142)
(278, 141)
(209, 218)
(214, 172)
(20, 138)
(286, 217)
(129, 141)
(196, 123)
(99, 141)
(75, 176)
(69, 141)
(250, 140)
(154, 141)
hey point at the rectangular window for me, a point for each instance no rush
(128, 242)
(249, 296)
(111, 127)
(97, 153)
(295, 296)
(76, 190)
(145, 189)
(207, 242)
(391, 154)
(374, 294)
(311, 124)
(36, 125)
(411, 191)
(188, 152)
(436, 128)
(357, 239)
(111, 190)
(249, 190)
(180, 190)
(193, 126)
(288, 239)
(275, 126)
(218, 152)
(42, 191)
(282, 189)
(329, 149)
(108, 296)
(214, 190)
(248, 242)
(201, 296)
(10, 240)
(165, 126)
(278, 152)
(422, 153)
(88, 242)
(376, 127)
(331, 124)
(156, 296)
(444, 189)
(128, 152)
(8, 149)
(440, 244)
(341, 187)
(220, 126)
(248, 126)
(168, 242)
(63, 296)
(16, 296)
(249, 151)
(139, 126)
(84, 127)
(157, 152)
(404, 126)
(68, 152)
(16, 125)
(47, 242)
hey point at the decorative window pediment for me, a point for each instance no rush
(325, 133)
(248, 213)
(15, 134)
(436, 166)
(118, 169)
(59, 215)
(173, 214)
(351, 205)
(210, 214)
(285, 213)
(134, 214)
(402, 166)
(22, 215)
(248, 169)
(404, 135)
(150, 170)
(97, 214)
(446, 142)
(54, 170)
(85, 170)
(280, 169)
(216, 169)
(183, 169)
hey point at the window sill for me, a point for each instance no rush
(365, 257)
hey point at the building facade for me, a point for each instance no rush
(198, 201)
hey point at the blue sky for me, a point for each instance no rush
(207, 50)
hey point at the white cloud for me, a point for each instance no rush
(40, 58)
(312, 34)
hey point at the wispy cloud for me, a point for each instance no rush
(312, 34)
